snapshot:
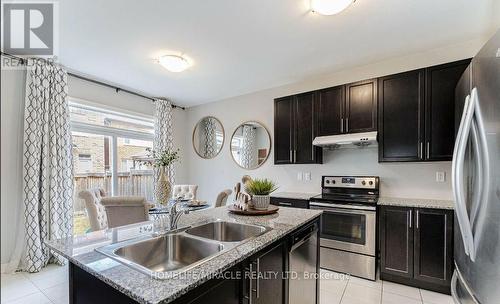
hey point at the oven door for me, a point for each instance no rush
(348, 227)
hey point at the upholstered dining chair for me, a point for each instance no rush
(125, 210)
(95, 211)
(184, 191)
(222, 198)
(108, 212)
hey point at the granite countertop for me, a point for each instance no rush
(145, 289)
(414, 202)
(294, 195)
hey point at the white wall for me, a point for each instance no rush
(415, 180)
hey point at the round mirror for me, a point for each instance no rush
(250, 145)
(208, 137)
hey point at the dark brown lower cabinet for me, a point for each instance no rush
(265, 287)
(433, 246)
(396, 241)
(416, 247)
(218, 292)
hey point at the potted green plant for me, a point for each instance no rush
(162, 160)
(260, 189)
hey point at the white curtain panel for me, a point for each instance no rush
(163, 139)
(210, 138)
(47, 163)
(248, 159)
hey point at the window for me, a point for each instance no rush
(109, 151)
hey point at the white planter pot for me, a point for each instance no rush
(261, 202)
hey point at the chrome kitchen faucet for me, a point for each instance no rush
(174, 214)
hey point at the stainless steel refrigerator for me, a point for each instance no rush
(476, 180)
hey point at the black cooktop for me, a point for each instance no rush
(346, 198)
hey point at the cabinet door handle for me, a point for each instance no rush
(257, 287)
(421, 150)
(291, 156)
(342, 125)
(416, 220)
(285, 204)
(409, 218)
(295, 155)
(428, 150)
(347, 124)
(250, 287)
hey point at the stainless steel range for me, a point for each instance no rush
(348, 224)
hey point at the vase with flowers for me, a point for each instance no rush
(162, 160)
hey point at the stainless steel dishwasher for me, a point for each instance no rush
(303, 257)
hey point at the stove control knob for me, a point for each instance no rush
(333, 181)
(370, 183)
(327, 181)
(363, 183)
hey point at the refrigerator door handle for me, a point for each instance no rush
(456, 277)
(453, 288)
(469, 237)
(454, 166)
(457, 177)
(477, 213)
(478, 185)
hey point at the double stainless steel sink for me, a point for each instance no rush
(226, 231)
(170, 254)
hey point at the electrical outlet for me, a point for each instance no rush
(440, 177)
(300, 176)
(307, 176)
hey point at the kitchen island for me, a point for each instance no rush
(97, 278)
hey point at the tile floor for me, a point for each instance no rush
(50, 286)
(337, 288)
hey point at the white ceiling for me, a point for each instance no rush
(242, 46)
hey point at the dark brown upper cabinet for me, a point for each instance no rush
(306, 128)
(349, 108)
(416, 118)
(331, 103)
(401, 113)
(361, 106)
(295, 127)
(283, 130)
(441, 82)
(414, 113)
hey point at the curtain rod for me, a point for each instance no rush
(117, 89)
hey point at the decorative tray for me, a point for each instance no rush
(270, 210)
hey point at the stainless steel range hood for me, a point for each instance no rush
(355, 140)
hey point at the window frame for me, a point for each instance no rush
(113, 133)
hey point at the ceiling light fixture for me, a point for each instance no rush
(330, 7)
(174, 63)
